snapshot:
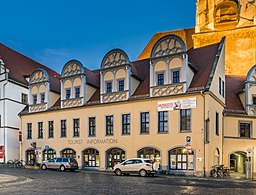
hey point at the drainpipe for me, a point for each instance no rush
(204, 127)
(4, 116)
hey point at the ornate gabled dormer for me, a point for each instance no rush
(169, 71)
(39, 90)
(115, 76)
(73, 83)
(250, 92)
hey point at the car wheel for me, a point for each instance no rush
(118, 172)
(62, 168)
(44, 167)
(143, 173)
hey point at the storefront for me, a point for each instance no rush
(114, 156)
(150, 153)
(68, 153)
(31, 157)
(49, 154)
(91, 158)
(181, 159)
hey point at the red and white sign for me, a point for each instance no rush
(177, 104)
(1, 154)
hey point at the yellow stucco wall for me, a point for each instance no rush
(130, 143)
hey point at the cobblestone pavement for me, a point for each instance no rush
(55, 182)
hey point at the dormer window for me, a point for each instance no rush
(42, 97)
(68, 92)
(73, 84)
(115, 76)
(77, 89)
(121, 85)
(160, 79)
(109, 87)
(176, 76)
(34, 99)
(39, 90)
(170, 73)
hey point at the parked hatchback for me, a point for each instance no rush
(140, 166)
(61, 164)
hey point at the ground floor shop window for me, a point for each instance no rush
(114, 156)
(49, 154)
(150, 153)
(68, 153)
(31, 157)
(181, 159)
(91, 158)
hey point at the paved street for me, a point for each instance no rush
(55, 182)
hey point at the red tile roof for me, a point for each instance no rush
(234, 85)
(21, 67)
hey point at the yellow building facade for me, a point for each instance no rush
(188, 102)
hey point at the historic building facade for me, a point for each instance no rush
(15, 69)
(154, 108)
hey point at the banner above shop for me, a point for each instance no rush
(177, 104)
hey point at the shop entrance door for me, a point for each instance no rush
(114, 156)
(31, 157)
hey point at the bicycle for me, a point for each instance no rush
(216, 171)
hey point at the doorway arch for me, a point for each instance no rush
(237, 161)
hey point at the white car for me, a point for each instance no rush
(140, 166)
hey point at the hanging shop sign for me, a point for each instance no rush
(177, 104)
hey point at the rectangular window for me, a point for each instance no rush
(76, 128)
(109, 125)
(68, 92)
(63, 131)
(207, 130)
(175, 76)
(24, 98)
(29, 131)
(160, 79)
(50, 129)
(223, 89)
(40, 130)
(144, 122)
(163, 121)
(217, 124)
(77, 90)
(34, 99)
(185, 120)
(42, 97)
(121, 85)
(219, 85)
(126, 127)
(109, 87)
(245, 129)
(92, 126)
(253, 99)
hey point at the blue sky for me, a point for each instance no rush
(53, 32)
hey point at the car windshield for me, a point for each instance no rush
(147, 161)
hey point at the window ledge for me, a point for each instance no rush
(109, 135)
(91, 135)
(144, 133)
(124, 134)
(186, 131)
(163, 132)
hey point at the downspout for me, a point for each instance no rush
(204, 128)
(4, 116)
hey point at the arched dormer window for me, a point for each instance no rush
(168, 66)
(39, 87)
(73, 84)
(115, 76)
(250, 91)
